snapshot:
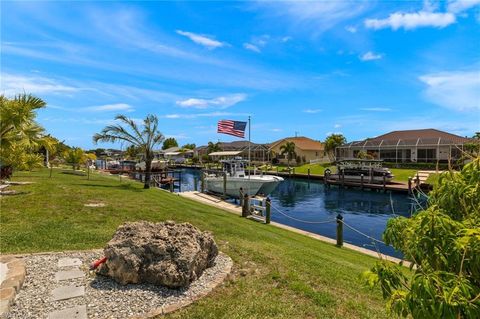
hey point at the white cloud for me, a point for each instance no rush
(12, 84)
(220, 102)
(337, 126)
(110, 108)
(462, 5)
(285, 39)
(312, 111)
(276, 130)
(202, 39)
(410, 21)
(376, 109)
(457, 90)
(351, 29)
(251, 47)
(369, 56)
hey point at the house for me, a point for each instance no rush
(306, 149)
(424, 145)
(175, 154)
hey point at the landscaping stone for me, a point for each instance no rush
(68, 274)
(69, 262)
(104, 297)
(13, 274)
(79, 312)
(67, 292)
(167, 254)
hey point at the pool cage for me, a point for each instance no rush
(421, 150)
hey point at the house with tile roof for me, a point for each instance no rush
(307, 150)
(423, 146)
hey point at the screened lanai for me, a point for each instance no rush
(420, 148)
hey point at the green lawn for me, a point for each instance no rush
(288, 275)
(402, 174)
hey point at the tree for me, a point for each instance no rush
(288, 149)
(364, 155)
(132, 152)
(189, 146)
(75, 157)
(442, 242)
(20, 135)
(332, 142)
(473, 148)
(145, 139)
(169, 142)
(213, 147)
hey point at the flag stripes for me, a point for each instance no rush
(235, 128)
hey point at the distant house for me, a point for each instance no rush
(307, 150)
(258, 152)
(175, 154)
(425, 145)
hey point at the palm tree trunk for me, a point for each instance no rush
(148, 172)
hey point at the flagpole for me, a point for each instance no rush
(249, 143)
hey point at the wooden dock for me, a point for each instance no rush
(394, 187)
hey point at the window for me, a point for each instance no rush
(426, 154)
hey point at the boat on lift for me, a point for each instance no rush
(352, 170)
(235, 178)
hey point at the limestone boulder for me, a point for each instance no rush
(167, 254)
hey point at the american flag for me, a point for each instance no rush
(234, 128)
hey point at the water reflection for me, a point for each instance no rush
(311, 201)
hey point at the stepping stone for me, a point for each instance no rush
(79, 312)
(69, 274)
(68, 292)
(69, 262)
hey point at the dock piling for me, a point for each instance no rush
(409, 185)
(195, 182)
(245, 208)
(361, 179)
(224, 185)
(240, 197)
(202, 183)
(268, 207)
(308, 173)
(339, 230)
(384, 183)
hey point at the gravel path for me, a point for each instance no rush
(104, 297)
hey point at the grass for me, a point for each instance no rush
(402, 174)
(288, 275)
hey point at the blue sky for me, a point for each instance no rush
(361, 68)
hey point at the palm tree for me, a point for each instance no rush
(213, 147)
(20, 135)
(145, 140)
(289, 149)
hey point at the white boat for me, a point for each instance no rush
(353, 169)
(234, 170)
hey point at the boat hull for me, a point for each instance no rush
(254, 185)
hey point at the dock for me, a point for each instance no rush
(394, 187)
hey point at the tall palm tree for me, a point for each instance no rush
(289, 149)
(144, 139)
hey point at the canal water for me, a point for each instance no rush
(303, 203)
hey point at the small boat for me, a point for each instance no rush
(352, 170)
(235, 178)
